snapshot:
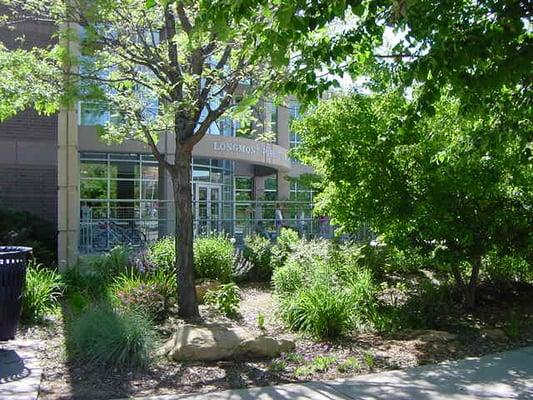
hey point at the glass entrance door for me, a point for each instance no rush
(208, 208)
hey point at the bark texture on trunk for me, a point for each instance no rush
(472, 284)
(181, 182)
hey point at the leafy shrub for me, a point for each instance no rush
(162, 254)
(21, 228)
(78, 302)
(42, 291)
(288, 278)
(225, 300)
(284, 245)
(430, 306)
(85, 282)
(111, 264)
(320, 311)
(214, 257)
(257, 250)
(150, 294)
(503, 270)
(112, 338)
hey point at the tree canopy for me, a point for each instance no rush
(159, 68)
(453, 186)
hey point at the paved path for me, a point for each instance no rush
(20, 370)
(507, 375)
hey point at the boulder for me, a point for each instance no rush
(495, 334)
(436, 336)
(221, 342)
(429, 335)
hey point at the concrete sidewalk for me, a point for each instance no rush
(507, 375)
(20, 370)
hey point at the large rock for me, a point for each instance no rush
(428, 335)
(221, 342)
(495, 334)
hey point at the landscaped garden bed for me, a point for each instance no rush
(403, 317)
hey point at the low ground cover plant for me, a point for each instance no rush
(225, 299)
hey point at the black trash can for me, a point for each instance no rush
(13, 261)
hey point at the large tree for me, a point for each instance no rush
(452, 186)
(160, 67)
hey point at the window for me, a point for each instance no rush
(299, 192)
(294, 114)
(243, 205)
(271, 117)
(119, 198)
(271, 188)
(98, 111)
(118, 186)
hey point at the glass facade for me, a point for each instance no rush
(118, 199)
(213, 195)
(121, 203)
(243, 204)
(294, 114)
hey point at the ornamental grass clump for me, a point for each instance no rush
(320, 311)
(43, 288)
(151, 294)
(323, 291)
(113, 338)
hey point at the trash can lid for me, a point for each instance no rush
(13, 250)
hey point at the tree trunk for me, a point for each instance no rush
(472, 284)
(181, 182)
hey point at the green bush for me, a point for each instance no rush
(112, 338)
(502, 270)
(289, 278)
(150, 294)
(162, 253)
(214, 258)
(430, 306)
(111, 264)
(285, 243)
(225, 299)
(43, 288)
(320, 311)
(324, 289)
(78, 302)
(85, 281)
(257, 250)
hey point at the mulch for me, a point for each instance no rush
(368, 352)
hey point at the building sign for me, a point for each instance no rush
(258, 148)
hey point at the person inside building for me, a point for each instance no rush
(278, 219)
